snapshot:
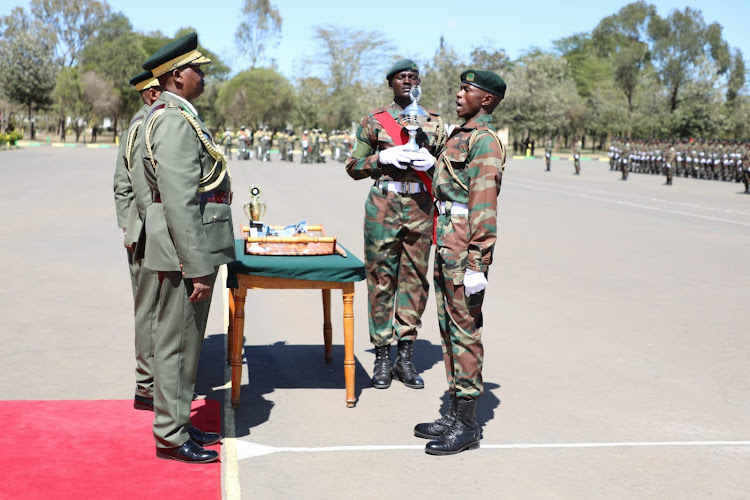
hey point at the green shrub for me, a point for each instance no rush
(3, 140)
(14, 137)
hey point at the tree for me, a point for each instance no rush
(350, 61)
(115, 53)
(312, 95)
(541, 98)
(68, 97)
(74, 22)
(27, 71)
(260, 25)
(441, 81)
(100, 98)
(258, 96)
(622, 39)
(679, 44)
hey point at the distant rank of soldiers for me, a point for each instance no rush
(706, 159)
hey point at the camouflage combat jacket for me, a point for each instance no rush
(372, 138)
(473, 177)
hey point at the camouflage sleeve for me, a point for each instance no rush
(484, 166)
(122, 187)
(363, 163)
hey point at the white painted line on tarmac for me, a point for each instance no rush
(639, 205)
(230, 466)
(247, 449)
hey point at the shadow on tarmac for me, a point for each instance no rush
(284, 366)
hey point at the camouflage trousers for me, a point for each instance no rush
(398, 236)
(459, 317)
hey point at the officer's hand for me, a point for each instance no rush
(396, 156)
(421, 160)
(474, 282)
(201, 289)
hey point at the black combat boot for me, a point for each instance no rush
(431, 430)
(463, 435)
(403, 369)
(381, 377)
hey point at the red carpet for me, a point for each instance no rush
(97, 449)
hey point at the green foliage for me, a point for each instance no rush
(27, 72)
(73, 23)
(256, 97)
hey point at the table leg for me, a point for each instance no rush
(230, 329)
(348, 297)
(238, 339)
(327, 329)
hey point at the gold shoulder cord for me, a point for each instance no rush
(131, 142)
(210, 148)
(472, 140)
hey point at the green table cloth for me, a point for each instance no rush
(312, 267)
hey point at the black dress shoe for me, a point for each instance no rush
(190, 452)
(143, 403)
(204, 438)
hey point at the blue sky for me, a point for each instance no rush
(413, 26)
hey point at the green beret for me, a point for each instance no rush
(402, 65)
(175, 54)
(485, 80)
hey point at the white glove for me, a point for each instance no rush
(396, 156)
(421, 160)
(474, 282)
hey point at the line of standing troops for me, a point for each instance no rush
(711, 160)
(313, 144)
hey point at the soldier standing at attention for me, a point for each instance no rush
(188, 236)
(575, 152)
(466, 186)
(145, 283)
(398, 225)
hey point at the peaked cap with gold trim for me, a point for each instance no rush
(485, 80)
(175, 54)
(144, 81)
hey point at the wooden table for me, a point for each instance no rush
(323, 272)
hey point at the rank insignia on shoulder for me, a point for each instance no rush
(172, 104)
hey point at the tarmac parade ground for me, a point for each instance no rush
(616, 336)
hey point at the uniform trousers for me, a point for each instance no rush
(459, 317)
(398, 236)
(145, 305)
(180, 328)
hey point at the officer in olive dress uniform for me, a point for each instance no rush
(466, 186)
(188, 236)
(398, 226)
(145, 283)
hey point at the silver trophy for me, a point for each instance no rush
(413, 117)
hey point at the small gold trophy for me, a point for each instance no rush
(255, 209)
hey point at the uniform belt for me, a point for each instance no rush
(207, 197)
(452, 208)
(400, 187)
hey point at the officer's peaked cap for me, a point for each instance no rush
(175, 54)
(144, 81)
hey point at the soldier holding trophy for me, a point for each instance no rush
(398, 226)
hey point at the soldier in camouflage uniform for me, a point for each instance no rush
(398, 226)
(466, 187)
(145, 283)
